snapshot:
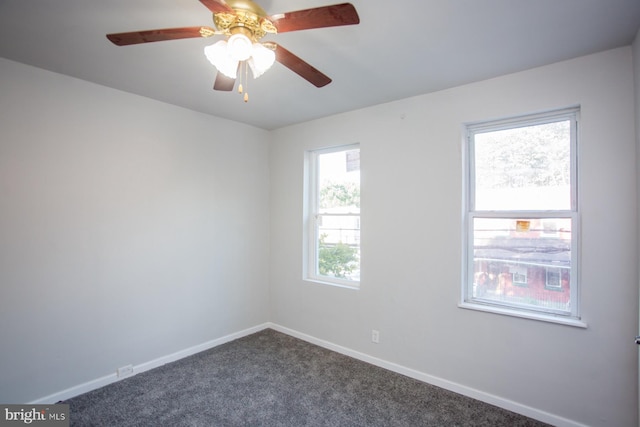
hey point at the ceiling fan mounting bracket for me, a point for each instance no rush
(247, 15)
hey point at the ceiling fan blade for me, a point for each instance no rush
(224, 83)
(319, 17)
(137, 37)
(300, 67)
(216, 6)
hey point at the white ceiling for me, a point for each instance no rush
(400, 49)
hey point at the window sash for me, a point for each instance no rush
(468, 297)
(570, 114)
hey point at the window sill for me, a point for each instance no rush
(346, 285)
(525, 315)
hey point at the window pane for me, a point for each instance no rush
(338, 218)
(523, 262)
(339, 246)
(339, 182)
(525, 168)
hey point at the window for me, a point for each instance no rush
(333, 216)
(521, 217)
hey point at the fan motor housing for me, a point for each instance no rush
(248, 16)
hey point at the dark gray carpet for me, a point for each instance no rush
(272, 379)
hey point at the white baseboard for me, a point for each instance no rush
(108, 379)
(420, 376)
(500, 402)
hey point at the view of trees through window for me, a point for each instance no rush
(524, 168)
(338, 219)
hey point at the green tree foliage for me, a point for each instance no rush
(336, 260)
(524, 157)
(339, 194)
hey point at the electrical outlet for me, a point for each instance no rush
(375, 336)
(125, 371)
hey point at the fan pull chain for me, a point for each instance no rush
(246, 80)
(244, 76)
(242, 66)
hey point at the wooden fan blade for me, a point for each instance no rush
(136, 37)
(216, 6)
(319, 17)
(300, 67)
(224, 83)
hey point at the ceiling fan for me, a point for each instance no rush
(244, 24)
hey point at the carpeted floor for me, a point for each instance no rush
(272, 379)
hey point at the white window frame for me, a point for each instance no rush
(573, 315)
(312, 215)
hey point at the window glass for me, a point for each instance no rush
(517, 263)
(526, 168)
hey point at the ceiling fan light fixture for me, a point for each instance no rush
(245, 23)
(261, 60)
(218, 55)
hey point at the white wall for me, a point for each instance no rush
(129, 230)
(412, 175)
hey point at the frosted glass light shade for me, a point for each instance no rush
(239, 47)
(218, 55)
(261, 60)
